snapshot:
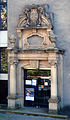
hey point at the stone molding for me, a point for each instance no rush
(53, 62)
(34, 64)
(54, 100)
(43, 45)
(19, 33)
(12, 97)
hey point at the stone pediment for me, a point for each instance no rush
(35, 16)
(35, 28)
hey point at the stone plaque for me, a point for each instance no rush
(35, 40)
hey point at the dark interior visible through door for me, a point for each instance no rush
(3, 91)
(37, 88)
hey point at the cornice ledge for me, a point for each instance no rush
(52, 49)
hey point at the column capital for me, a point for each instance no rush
(12, 60)
(53, 62)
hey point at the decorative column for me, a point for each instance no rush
(53, 101)
(12, 83)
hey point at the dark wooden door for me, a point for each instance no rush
(3, 91)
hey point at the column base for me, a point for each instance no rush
(12, 101)
(21, 100)
(54, 105)
(15, 101)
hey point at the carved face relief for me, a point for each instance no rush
(34, 15)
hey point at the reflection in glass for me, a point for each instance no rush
(37, 73)
(3, 60)
(4, 16)
(3, 0)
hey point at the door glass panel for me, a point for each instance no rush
(3, 0)
(37, 88)
(38, 73)
(3, 60)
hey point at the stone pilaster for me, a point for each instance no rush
(54, 100)
(12, 83)
(19, 35)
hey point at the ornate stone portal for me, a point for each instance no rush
(36, 49)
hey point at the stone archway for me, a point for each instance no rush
(30, 55)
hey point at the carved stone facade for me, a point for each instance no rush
(34, 16)
(39, 25)
(36, 49)
(12, 41)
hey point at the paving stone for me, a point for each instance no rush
(9, 116)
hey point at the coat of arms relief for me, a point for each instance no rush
(35, 16)
(36, 19)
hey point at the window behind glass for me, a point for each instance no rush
(3, 60)
(3, 15)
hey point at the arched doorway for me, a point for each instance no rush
(36, 49)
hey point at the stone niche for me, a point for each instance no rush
(36, 49)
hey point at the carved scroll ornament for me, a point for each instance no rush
(53, 62)
(12, 60)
